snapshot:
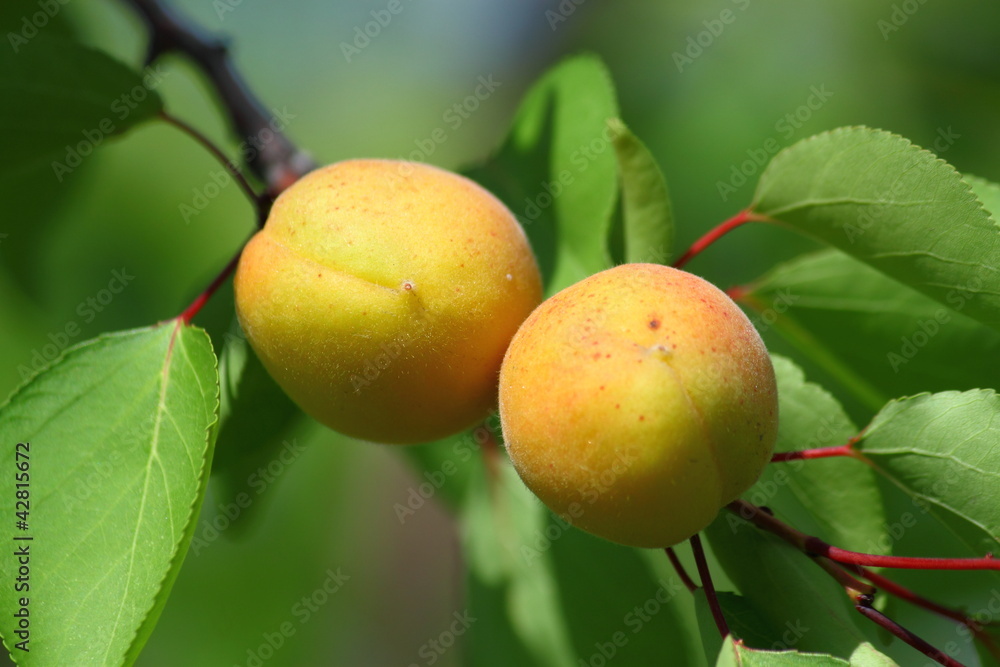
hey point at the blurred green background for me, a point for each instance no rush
(779, 70)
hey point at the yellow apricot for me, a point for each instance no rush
(381, 295)
(637, 403)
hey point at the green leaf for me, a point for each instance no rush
(120, 431)
(446, 468)
(987, 191)
(893, 205)
(743, 618)
(821, 497)
(944, 451)
(63, 100)
(511, 592)
(737, 655)
(902, 342)
(547, 594)
(647, 211)
(255, 418)
(807, 607)
(615, 607)
(866, 655)
(557, 170)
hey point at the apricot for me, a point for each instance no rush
(381, 296)
(637, 403)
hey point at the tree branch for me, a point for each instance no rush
(817, 547)
(276, 160)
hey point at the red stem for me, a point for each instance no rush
(715, 234)
(706, 583)
(846, 449)
(681, 572)
(818, 546)
(815, 546)
(203, 298)
(864, 607)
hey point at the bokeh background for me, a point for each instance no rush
(703, 102)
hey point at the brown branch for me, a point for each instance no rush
(681, 572)
(706, 583)
(277, 161)
(865, 609)
(823, 553)
(817, 547)
(889, 586)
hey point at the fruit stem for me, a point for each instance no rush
(864, 607)
(847, 449)
(261, 202)
(715, 234)
(203, 298)
(706, 583)
(681, 572)
(814, 546)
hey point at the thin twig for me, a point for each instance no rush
(681, 572)
(865, 608)
(706, 583)
(715, 234)
(203, 298)
(889, 586)
(262, 203)
(277, 161)
(815, 546)
(846, 449)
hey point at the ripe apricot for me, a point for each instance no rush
(381, 295)
(637, 403)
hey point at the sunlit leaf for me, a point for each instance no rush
(557, 170)
(893, 205)
(648, 217)
(120, 431)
